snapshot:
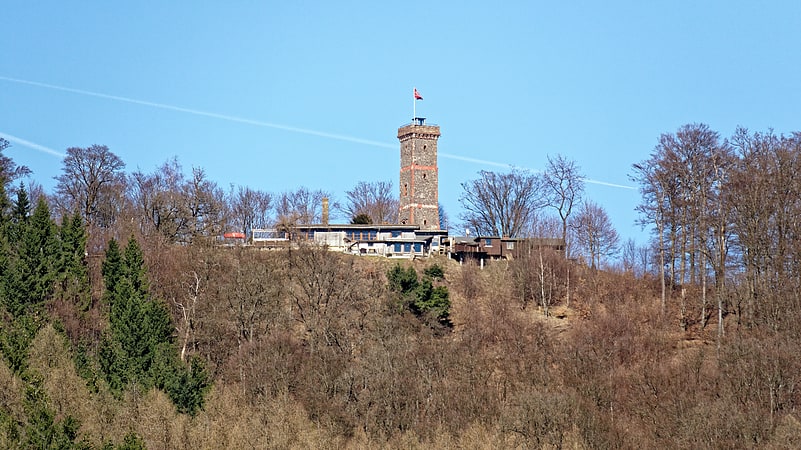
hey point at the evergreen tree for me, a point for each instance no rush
(30, 269)
(72, 273)
(402, 280)
(42, 431)
(139, 347)
(131, 442)
(134, 267)
(38, 254)
(433, 300)
(19, 214)
(188, 389)
(421, 296)
(111, 269)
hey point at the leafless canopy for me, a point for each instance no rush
(91, 182)
(302, 206)
(249, 208)
(377, 199)
(564, 185)
(501, 204)
(178, 208)
(594, 233)
(10, 171)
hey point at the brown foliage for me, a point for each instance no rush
(307, 349)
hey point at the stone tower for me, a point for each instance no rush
(419, 197)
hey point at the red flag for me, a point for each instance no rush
(417, 95)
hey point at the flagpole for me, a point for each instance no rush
(414, 104)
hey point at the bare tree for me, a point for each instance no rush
(302, 206)
(683, 186)
(180, 209)
(655, 185)
(594, 233)
(157, 197)
(501, 204)
(764, 192)
(539, 271)
(249, 208)
(10, 171)
(327, 299)
(205, 202)
(378, 200)
(444, 220)
(252, 294)
(564, 185)
(91, 184)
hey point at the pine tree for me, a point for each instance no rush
(71, 271)
(38, 255)
(140, 325)
(22, 206)
(112, 270)
(30, 271)
(188, 387)
(134, 267)
(139, 347)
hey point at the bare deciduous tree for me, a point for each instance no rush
(594, 233)
(501, 204)
(91, 183)
(378, 200)
(253, 296)
(327, 299)
(302, 206)
(9, 170)
(539, 271)
(249, 208)
(157, 197)
(205, 202)
(180, 209)
(684, 192)
(564, 185)
(444, 219)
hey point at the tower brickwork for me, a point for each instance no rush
(419, 175)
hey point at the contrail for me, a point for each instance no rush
(604, 183)
(474, 160)
(247, 121)
(200, 113)
(30, 144)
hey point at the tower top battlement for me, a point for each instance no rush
(418, 127)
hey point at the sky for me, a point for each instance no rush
(279, 95)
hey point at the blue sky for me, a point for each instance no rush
(278, 95)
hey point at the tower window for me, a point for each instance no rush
(405, 189)
(424, 176)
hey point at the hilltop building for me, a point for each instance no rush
(417, 233)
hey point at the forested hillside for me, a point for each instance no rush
(121, 330)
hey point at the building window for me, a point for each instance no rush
(487, 242)
(510, 245)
